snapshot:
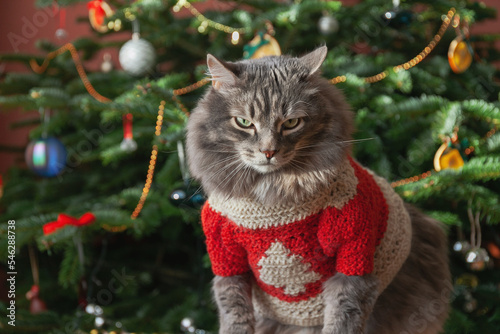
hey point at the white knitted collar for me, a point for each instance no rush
(251, 214)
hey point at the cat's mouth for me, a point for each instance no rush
(265, 167)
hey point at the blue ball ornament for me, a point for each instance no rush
(46, 156)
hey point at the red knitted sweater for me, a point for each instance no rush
(291, 261)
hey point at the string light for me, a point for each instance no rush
(205, 22)
(235, 37)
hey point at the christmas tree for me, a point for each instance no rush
(101, 230)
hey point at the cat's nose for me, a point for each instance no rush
(269, 153)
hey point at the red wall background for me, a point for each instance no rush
(21, 24)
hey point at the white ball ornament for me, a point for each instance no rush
(328, 25)
(137, 56)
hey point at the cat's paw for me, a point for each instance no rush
(237, 329)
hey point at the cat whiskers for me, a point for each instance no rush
(231, 174)
(226, 164)
(296, 165)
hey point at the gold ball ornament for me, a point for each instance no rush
(261, 45)
(459, 55)
(446, 158)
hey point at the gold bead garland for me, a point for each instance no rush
(79, 67)
(185, 90)
(152, 163)
(414, 61)
(412, 179)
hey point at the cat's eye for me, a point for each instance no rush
(244, 123)
(291, 123)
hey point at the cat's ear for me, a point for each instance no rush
(314, 59)
(222, 76)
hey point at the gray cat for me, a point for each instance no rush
(302, 238)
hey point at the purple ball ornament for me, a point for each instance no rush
(46, 156)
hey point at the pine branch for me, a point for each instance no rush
(448, 118)
(482, 168)
(417, 106)
(70, 271)
(16, 101)
(445, 217)
(483, 110)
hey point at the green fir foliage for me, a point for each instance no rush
(151, 272)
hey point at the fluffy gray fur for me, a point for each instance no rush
(232, 161)
(267, 92)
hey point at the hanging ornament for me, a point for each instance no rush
(459, 55)
(477, 258)
(327, 24)
(36, 304)
(397, 17)
(137, 56)
(449, 155)
(46, 156)
(107, 64)
(61, 32)
(128, 143)
(460, 52)
(263, 44)
(451, 158)
(99, 10)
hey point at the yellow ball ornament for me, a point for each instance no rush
(459, 55)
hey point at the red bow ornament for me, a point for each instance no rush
(63, 220)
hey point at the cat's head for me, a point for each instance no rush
(266, 125)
